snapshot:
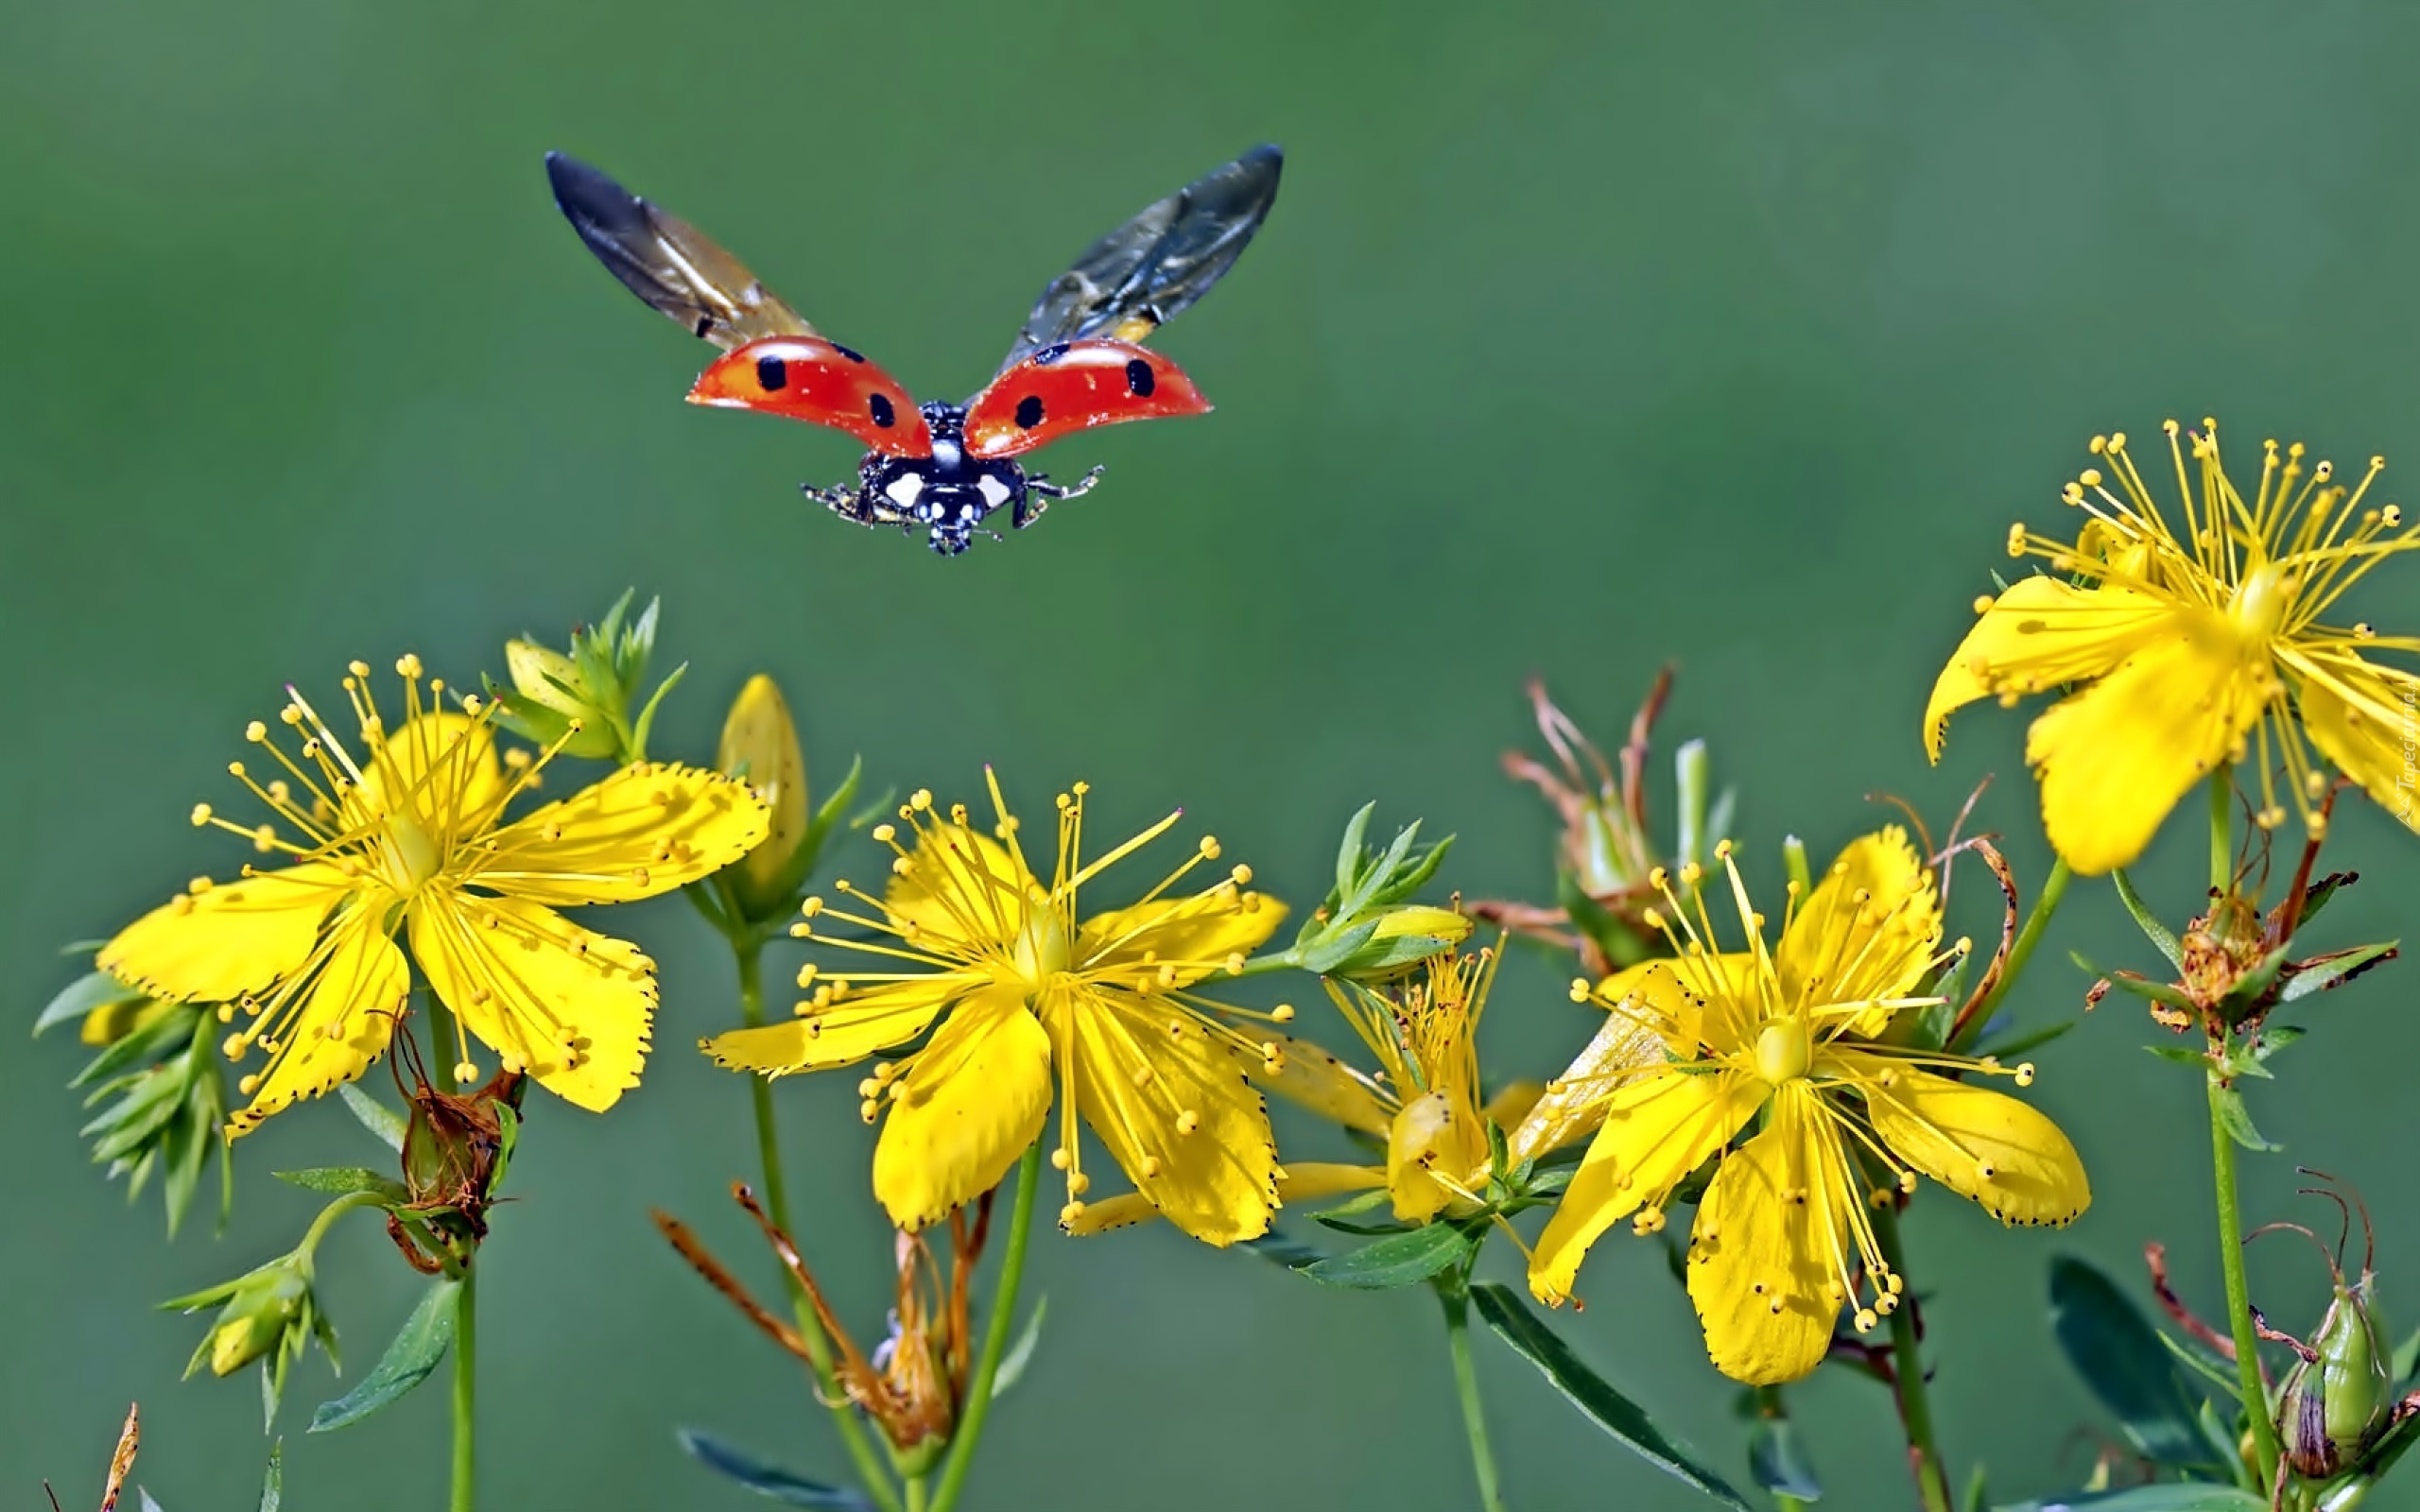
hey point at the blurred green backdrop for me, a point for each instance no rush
(1583, 337)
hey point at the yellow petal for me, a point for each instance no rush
(1432, 1147)
(1309, 1076)
(232, 938)
(961, 887)
(971, 1103)
(1196, 935)
(439, 770)
(1573, 1105)
(1141, 1066)
(2114, 759)
(1657, 1130)
(2366, 720)
(348, 1009)
(1690, 1003)
(643, 831)
(1515, 1100)
(1852, 950)
(1955, 1133)
(567, 1004)
(844, 1032)
(2042, 632)
(1764, 1258)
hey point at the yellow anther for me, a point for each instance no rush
(1150, 1167)
(1283, 1013)
(248, 1085)
(201, 814)
(1907, 1182)
(1580, 989)
(408, 665)
(920, 799)
(1722, 850)
(1241, 876)
(1235, 963)
(1078, 1183)
(290, 715)
(256, 732)
(1069, 1215)
(1209, 847)
(1187, 1120)
(868, 1088)
(2089, 477)
(813, 906)
(359, 669)
(199, 885)
(884, 833)
(233, 1045)
(2025, 1074)
(1982, 603)
(1866, 1320)
(1650, 919)
(2391, 516)
(869, 1111)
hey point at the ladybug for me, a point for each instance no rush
(1077, 362)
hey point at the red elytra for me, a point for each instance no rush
(1074, 386)
(820, 383)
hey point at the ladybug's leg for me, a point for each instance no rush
(849, 504)
(1069, 490)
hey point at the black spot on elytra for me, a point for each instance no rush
(1051, 353)
(1029, 412)
(846, 352)
(880, 408)
(1140, 380)
(772, 374)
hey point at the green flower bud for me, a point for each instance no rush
(580, 700)
(2342, 1392)
(266, 1310)
(760, 747)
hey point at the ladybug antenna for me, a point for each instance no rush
(53, 1495)
(2294, 1227)
(2369, 1234)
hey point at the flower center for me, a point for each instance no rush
(1782, 1050)
(414, 855)
(2260, 604)
(1042, 950)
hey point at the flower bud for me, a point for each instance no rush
(580, 700)
(760, 747)
(2339, 1396)
(267, 1310)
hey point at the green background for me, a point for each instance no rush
(1583, 337)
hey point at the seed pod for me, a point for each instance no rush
(2341, 1395)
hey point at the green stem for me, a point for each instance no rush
(916, 1494)
(466, 1349)
(2247, 1358)
(1907, 1369)
(328, 1215)
(749, 954)
(2221, 842)
(1770, 1406)
(2054, 888)
(1458, 1337)
(995, 1334)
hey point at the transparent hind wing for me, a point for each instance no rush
(1146, 271)
(671, 263)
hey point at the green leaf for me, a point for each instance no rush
(415, 1349)
(1609, 1409)
(2332, 971)
(1399, 1260)
(1020, 1354)
(342, 1180)
(1777, 1463)
(2138, 985)
(154, 1041)
(2237, 1120)
(2157, 932)
(2199, 1059)
(374, 1115)
(2253, 986)
(1348, 852)
(147, 1503)
(1359, 1203)
(2036, 1039)
(2122, 1359)
(1277, 1249)
(768, 1481)
(273, 1481)
(2406, 1357)
(97, 990)
(2273, 1038)
(508, 1124)
(2183, 1498)
(2219, 1373)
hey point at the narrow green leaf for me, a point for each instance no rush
(2141, 987)
(2198, 1058)
(2034, 1040)
(2276, 1037)
(2406, 1357)
(273, 1481)
(2331, 970)
(1978, 1495)
(97, 990)
(2253, 986)
(1348, 852)
(147, 1503)
(1359, 1203)
(374, 1115)
(1692, 769)
(508, 1125)
(2237, 1120)
(1335, 951)
(2157, 932)
(2122, 1359)
(2219, 1373)
(1777, 1462)
(156, 1040)
(1609, 1409)
(1020, 1354)
(2188, 1497)
(1277, 1249)
(342, 1180)
(1399, 1260)
(768, 1481)
(415, 1349)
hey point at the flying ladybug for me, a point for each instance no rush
(1077, 363)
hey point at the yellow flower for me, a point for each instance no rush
(1784, 1238)
(410, 840)
(2196, 642)
(1425, 1101)
(1034, 997)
